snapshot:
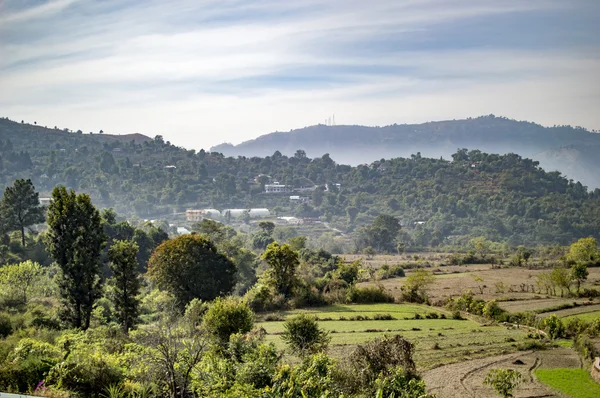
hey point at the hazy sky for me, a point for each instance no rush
(206, 72)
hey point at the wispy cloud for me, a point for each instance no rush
(203, 72)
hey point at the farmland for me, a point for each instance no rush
(438, 341)
(575, 383)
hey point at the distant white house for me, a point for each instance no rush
(182, 231)
(170, 167)
(329, 186)
(45, 201)
(277, 188)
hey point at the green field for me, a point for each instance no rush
(575, 383)
(437, 341)
(587, 316)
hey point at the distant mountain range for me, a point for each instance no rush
(570, 150)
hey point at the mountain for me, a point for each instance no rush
(506, 198)
(361, 144)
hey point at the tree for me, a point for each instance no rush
(579, 273)
(175, 349)
(381, 234)
(584, 250)
(283, 262)
(417, 283)
(227, 316)
(20, 207)
(504, 381)
(267, 226)
(189, 267)
(554, 327)
(19, 279)
(304, 336)
(75, 240)
(298, 243)
(369, 252)
(481, 246)
(561, 277)
(123, 264)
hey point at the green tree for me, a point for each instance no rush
(481, 246)
(227, 316)
(561, 277)
(369, 252)
(125, 283)
(503, 381)
(20, 207)
(554, 327)
(303, 335)
(189, 267)
(348, 272)
(267, 226)
(417, 283)
(75, 240)
(297, 243)
(19, 279)
(584, 250)
(579, 273)
(283, 262)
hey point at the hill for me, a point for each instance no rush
(361, 144)
(506, 198)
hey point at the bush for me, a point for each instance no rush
(400, 384)
(368, 295)
(504, 381)
(5, 326)
(304, 336)
(227, 316)
(554, 327)
(383, 317)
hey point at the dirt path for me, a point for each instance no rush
(466, 379)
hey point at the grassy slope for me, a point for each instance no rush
(575, 383)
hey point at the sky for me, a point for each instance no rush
(204, 72)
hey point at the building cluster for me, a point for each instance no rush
(194, 215)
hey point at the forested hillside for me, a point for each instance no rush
(503, 197)
(362, 144)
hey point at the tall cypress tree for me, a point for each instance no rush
(123, 264)
(75, 241)
(20, 207)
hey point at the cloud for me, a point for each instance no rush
(203, 72)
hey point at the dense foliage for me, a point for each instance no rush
(505, 198)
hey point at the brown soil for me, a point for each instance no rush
(466, 379)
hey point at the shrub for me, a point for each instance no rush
(304, 336)
(5, 326)
(368, 295)
(503, 381)
(554, 327)
(400, 384)
(383, 317)
(227, 316)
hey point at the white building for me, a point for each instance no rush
(277, 188)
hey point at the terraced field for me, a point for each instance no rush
(438, 341)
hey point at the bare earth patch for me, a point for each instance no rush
(465, 379)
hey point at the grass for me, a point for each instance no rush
(575, 383)
(437, 341)
(588, 316)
